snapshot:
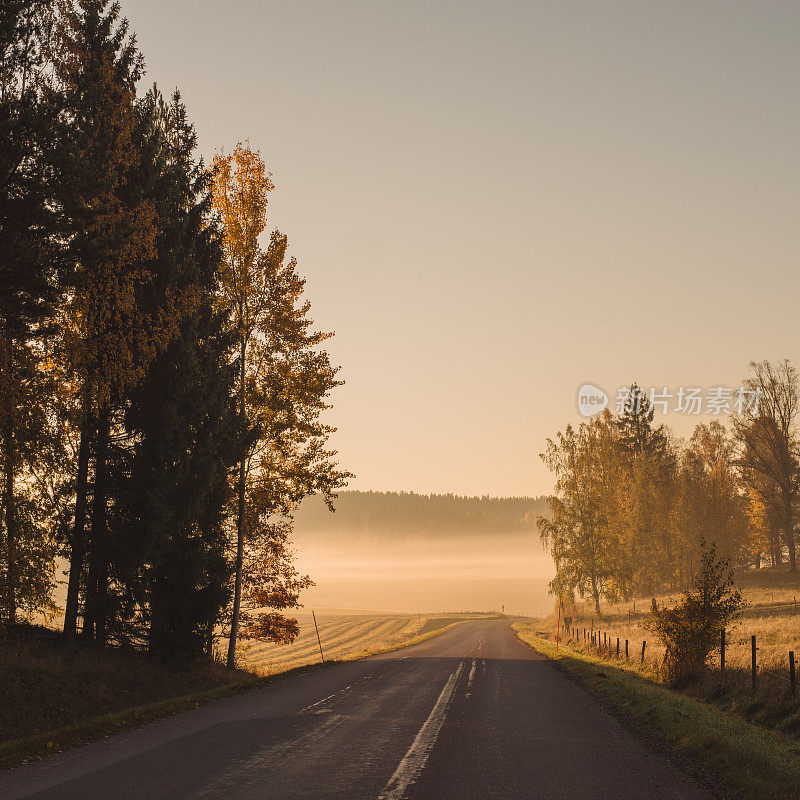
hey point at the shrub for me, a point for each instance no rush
(691, 630)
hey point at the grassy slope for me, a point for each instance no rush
(771, 614)
(759, 763)
(50, 700)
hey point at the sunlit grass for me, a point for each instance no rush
(344, 637)
(771, 615)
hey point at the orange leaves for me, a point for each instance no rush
(240, 185)
(283, 382)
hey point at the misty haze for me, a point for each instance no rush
(399, 400)
(388, 551)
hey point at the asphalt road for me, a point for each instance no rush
(473, 713)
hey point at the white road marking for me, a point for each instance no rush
(410, 768)
(471, 677)
(331, 696)
(324, 700)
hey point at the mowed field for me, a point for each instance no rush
(345, 636)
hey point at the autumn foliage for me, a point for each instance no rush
(633, 505)
(284, 378)
(691, 630)
(161, 384)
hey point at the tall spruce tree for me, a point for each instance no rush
(112, 234)
(182, 416)
(651, 483)
(29, 257)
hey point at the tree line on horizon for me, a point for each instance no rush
(391, 514)
(635, 508)
(161, 383)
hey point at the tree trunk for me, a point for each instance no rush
(237, 590)
(11, 524)
(596, 595)
(210, 639)
(78, 546)
(96, 600)
(790, 535)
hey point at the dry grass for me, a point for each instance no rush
(344, 637)
(50, 698)
(772, 615)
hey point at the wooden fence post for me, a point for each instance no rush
(722, 653)
(626, 649)
(754, 665)
(617, 646)
(644, 644)
(792, 674)
(319, 641)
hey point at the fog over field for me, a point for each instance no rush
(439, 553)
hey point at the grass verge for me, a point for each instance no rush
(757, 763)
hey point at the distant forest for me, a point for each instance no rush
(388, 514)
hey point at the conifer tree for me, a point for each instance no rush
(182, 415)
(107, 343)
(29, 257)
(650, 477)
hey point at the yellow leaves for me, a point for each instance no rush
(239, 194)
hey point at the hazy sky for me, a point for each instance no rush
(495, 202)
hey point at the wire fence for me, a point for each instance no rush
(611, 646)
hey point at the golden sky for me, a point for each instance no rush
(497, 202)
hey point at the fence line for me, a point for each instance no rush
(592, 638)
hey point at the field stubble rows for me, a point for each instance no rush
(343, 636)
